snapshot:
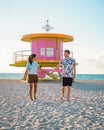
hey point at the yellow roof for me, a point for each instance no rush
(32, 37)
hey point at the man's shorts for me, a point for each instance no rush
(67, 81)
(32, 78)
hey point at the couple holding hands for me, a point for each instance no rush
(68, 65)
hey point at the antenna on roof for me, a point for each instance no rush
(47, 27)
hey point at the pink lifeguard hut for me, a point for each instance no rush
(47, 46)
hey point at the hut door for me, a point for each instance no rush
(50, 49)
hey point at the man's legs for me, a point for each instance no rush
(62, 92)
(69, 91)
(64, 82)
(70, 80)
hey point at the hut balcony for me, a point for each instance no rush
(45, 58)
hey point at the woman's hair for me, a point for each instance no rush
(30, 59)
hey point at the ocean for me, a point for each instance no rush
(78, 76)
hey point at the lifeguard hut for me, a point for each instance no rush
(47, 46)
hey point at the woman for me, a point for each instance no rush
(31, 69)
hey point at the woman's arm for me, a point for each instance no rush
(25, 74)
(41, 69)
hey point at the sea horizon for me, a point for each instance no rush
(78, 76)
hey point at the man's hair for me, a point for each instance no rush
(67, 51)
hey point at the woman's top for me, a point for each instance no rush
(32, 68)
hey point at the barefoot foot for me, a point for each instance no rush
(67, 98)
(34, 98)
(31, 98)
(62, 97)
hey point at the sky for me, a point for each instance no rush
(82, 19)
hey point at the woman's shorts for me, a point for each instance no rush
(32, 78)
(67, 81)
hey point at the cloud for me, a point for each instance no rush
(97, 60)
(90, 61)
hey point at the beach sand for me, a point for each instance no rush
(84, 111)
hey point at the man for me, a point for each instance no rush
(68, 65)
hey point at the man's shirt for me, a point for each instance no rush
(68, 66)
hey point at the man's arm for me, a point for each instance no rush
(74, 71)
(59, 65)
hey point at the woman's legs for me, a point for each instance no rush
(35, 90)
(30, 91)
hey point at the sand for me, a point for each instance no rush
(84, 111)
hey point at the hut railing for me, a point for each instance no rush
(20, 56)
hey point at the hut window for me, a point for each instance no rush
(42, 51)
(49, 52)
